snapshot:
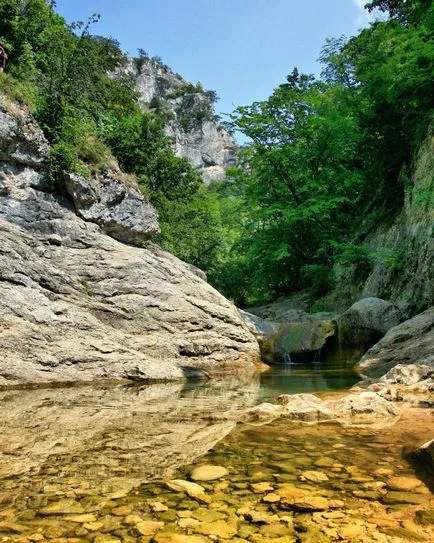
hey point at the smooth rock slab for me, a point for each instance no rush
(403, 483)
(208, 473)
(315, 476)
(307, 504)
(149, 527)
(219, 528)
(191, 489)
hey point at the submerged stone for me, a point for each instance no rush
(403, 483)
(314, 476)
(208, 473)
(192, 489)
(149, 527)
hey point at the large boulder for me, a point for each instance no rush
(366, 321)
(411, 342)
(79, 306)
(115, 203)
(299, 338)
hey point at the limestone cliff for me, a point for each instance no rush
(190, 117)
(77, 305)
(402, 253)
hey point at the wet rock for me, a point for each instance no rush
(178, 538)
(271, 498)
(366, 321)
(191, 489)
(425, 517)
(132, 520)
(208, 473)
(404, 534)
(158, 507)
(424, 456)
(207, 515)
(260, 488)
(408, 343)
(261, 517)
(87, 517)
(306, 504)
(220, 528)
(188, 523)
(106, 538)
(351, 531)
(62, 507)
(403, 483)
(398, 498)
(149, 527)
(314, 476)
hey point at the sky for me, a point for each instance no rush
(242, 49)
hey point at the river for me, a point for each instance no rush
(92, 463)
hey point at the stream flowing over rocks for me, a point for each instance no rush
(79, 306)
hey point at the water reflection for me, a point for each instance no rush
(123, 434)
(313, 377)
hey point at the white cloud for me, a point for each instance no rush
(364, 17)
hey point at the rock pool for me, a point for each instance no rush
(154, 464)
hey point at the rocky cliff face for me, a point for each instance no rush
(402, 252)
(191, 121)
(77, 305)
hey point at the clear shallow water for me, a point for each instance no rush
(311, 378)
(88, 465)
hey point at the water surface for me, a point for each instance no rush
(89, 464)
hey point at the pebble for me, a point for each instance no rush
(149, 527)
(314, 476)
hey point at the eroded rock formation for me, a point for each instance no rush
(190, 117)
(77, 305)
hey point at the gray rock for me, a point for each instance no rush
(359, 408)
(206, 145)
(118, 208)
(408, 374)
(409, 343)
(260, 327)
(79, 306)
(21, 140)
(282, 331)
(366, 321)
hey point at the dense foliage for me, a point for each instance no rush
(92, 118)
(322, 168)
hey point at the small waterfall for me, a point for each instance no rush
(287, 359)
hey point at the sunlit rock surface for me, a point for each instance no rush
(79, 306)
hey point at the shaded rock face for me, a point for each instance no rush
(402, 268)
(79, 306)
(293, 335)
(190, 116)
(411, 342)
(366, 321)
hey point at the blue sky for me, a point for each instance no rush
(240, 48)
